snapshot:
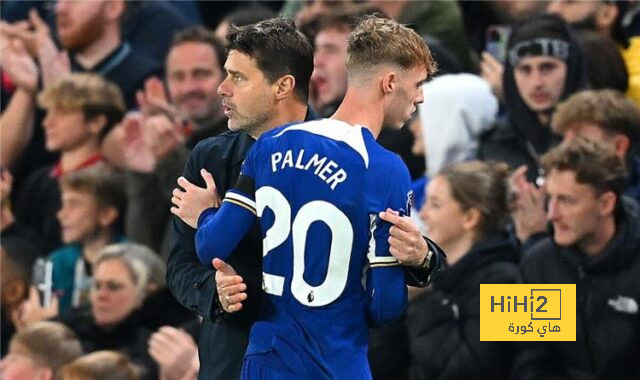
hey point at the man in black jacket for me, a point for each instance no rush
(595, 245)
(272, 64)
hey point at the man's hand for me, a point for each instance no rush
(406, 243)
(491, 70)
(173, 349)
(20, 66)
(153, 99)
(231, 289)
(527, 207)
(137, 155)
(32, 311)
(54, 63)
(162, 135)
(6, 183)
(193, 200)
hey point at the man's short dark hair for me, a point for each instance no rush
(201, 35)
(278, 48)
(249, 14)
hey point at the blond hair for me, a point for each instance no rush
(377, 40)
(89, 93)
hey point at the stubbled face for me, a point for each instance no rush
(406, 96)
(540, 81)
(248, 98)
(80, 22)
(329, 78)
(573, 208)
(441, 213)
(113, 296)
(79, 216)
(65, 130)
(18, 365)
(193, 77)
(575, 12)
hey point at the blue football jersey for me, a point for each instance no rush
(317, 188)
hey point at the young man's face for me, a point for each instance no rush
(540, 81)
(65, 130)
(80, 216)
(247, 96)
(193, 77)
(405, 97)
(575, 209)
(329, 78)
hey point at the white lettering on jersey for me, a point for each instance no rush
(326, 171)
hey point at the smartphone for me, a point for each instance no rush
(42, 279)
(496, 41)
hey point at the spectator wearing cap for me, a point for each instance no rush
(544, 65)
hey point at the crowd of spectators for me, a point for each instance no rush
(525, 157)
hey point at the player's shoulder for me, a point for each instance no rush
(324, 127)
(385, 161)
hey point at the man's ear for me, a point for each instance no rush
(108, 216)
(608, 202)
(115, 9)
(14, 292)
(285, 87)
(45, 373)
(97, 124)
(606, 16)
(621, 144)
(389, 82)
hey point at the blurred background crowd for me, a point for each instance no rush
(525, 157)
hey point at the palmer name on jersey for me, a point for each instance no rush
(323, 167)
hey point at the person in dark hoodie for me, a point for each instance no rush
(595, 245)
(465, 213)
(607, 116)
(544, 66)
